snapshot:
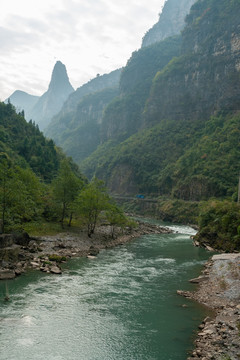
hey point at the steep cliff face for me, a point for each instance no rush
(69, 113)
(171, 21)
(122, 117)
(79, 134)
(188, 145)
(97, 84)
(205, 79)
(51, 101)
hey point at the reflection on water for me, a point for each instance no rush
(122, 305)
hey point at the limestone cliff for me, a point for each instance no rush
(205, 78)
(186, 140)
(171, 21)
(71, 117)
(79, 135)
(52, 100)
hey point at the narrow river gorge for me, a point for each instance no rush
(120, 306)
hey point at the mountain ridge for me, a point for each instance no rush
(41, 109)
(192, 99)
(171, 21)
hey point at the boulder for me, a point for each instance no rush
(7, 274)
(55, 270)
(198, 279)
(22, 239)
(18, 271)
(6, 240)
(93, 251)
(33, 246)
(209, 248)
(91, 257)
(226, 257)
(10, 254)
(34, 264)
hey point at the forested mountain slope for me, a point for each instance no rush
(23, 101)
(25, 145)
(188, 139)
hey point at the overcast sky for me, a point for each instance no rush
(88, 36)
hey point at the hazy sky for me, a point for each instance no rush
(88, 36)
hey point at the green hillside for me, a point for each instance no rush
(26, 145)
(187, 129)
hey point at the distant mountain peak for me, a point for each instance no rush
(51, 101)
(59, 79)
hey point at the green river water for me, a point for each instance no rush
(120, 306)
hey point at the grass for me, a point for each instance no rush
(50, 228)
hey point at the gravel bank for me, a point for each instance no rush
(46, 253)
(219, 289)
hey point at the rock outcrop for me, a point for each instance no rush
(50, 103)
(205, 78)
(76, 128)
(171, 21)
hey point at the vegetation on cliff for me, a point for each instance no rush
(24, 143)
(219, 223)
(185, 160)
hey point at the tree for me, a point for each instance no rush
(91, 202)
(115, 217)
(66, 187)
(5, 175)
(20, 195)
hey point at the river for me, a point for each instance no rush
(120, 306)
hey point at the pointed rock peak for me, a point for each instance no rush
(60, 78)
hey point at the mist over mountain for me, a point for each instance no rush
(51, 101)
(184, 138)
(23, 101)
(42, 109)
(77, 127)
(171, 21)
(168, 122)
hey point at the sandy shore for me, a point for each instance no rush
(219, 289)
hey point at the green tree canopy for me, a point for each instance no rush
(91, 202)
(66, 187)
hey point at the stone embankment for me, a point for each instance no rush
(46, 253)
(219, 289)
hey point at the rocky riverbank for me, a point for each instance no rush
(219, 289)
(46, 253)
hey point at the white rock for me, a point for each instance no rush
(225, 257)
(55, 270)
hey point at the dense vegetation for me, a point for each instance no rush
(26, 144)
(186, 142)
(174, 129)
(187, 161)
(51, 191)
(220, 225)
